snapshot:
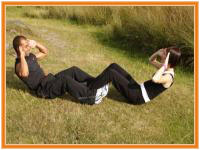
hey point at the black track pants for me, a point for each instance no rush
(72, 80)
(121, 80)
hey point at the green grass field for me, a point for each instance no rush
(168, 119)
(142, 28)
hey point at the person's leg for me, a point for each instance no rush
(121, 71)
(63, 84)
(75, 73)
(110, 75)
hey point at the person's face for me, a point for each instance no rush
(25, 46)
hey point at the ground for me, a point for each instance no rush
(168, 119)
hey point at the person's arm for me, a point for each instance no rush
(159, 77)
(22, 67)
(153, 59)
(43, 51)
(154, 62)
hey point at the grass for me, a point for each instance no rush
(161, 26)
(168, 119)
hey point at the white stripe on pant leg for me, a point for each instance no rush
(144, 93)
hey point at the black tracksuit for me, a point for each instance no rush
(83, 86)
(121, 80)
(72, 80)
(126, 85)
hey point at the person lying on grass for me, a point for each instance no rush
(72, 80)
(86, 88)
(141, 93)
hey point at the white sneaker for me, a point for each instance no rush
(101, 93)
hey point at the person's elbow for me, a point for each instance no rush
(150, 61)
(45, 52)
(156, 80)
(24, 74)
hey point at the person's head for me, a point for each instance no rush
(21, 41)
(174, 56)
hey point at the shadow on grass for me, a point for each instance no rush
(12, 82)
(116, 96)
(136, 50)
(121, 46)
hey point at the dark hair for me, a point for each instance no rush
(174, 56)
(17, 42)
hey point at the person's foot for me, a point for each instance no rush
(101, 93)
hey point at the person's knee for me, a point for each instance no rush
(112, 73)
(113, 64)
(74, 68)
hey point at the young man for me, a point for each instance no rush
(72, 80)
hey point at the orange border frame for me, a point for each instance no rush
(90, 3)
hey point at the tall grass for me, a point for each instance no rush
(145, 28)
(168, 119)
(81, 15)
